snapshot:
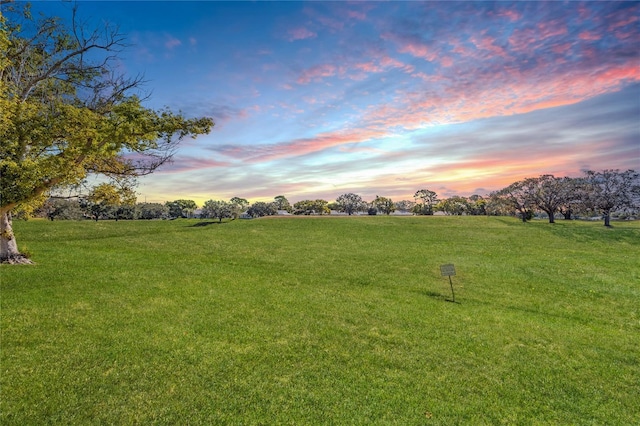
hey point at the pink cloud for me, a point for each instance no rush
(419, 50)
(561, 49)
(589, 36)
(317, 72)
(297, 147)
(514, 92)
(300, 33)
(172, 42)
(552, 29)
(511, 15)
(488, 43)
(355, 14)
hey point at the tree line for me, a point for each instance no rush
(602, 193)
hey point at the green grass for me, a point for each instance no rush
(322, 321)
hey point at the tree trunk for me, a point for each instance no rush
(607, 219)
(8, 247)
(552, 215)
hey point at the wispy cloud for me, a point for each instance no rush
(257, 153)
(300, 33)
(172, 42)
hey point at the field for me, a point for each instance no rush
(322, 321)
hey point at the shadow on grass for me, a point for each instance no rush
(206, 224)
(437, 296)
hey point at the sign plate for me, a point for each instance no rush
(448, 270)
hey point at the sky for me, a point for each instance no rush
(316, 99)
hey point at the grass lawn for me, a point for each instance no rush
(333, 320)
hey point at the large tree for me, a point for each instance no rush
(260, 208)
(384, 205)
(455, 205)
(181, 208)
(238, 206)
(548, 193)
(405, 205)
(282, 203)
(66, 113)
(350, 203)
(517, 197)
(427, 199)
(309, 207)
(611, 190)
(217, 209)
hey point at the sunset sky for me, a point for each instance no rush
(316, 99)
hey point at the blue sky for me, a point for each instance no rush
(315, 99)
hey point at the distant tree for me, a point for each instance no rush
(425, 200)
(151, 211)
(498, 205)
(60, 208)
(309, 207)
(238, 206)
(350, 203)
(102, 202)
(110, 201)
(334, 206)
(548, 193)
(405, 205)
(259, 209)
(477, 205)
(517, 197)
(455, 205)
(573, 197)
(611, 190)
(384, 205)
(282, 203)
(181, 208)
(217, 209)
(126, 205)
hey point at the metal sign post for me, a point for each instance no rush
(449, 270)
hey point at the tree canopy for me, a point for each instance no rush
(66, 112)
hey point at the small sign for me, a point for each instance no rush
(448, 270)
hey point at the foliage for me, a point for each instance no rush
(306, 320)
(282, 203)
(602, 192)
(106, 201)
(151, 211)
(260, 208)
(518, 197)
(56, 208)
(405, 205)
(67, 113)
(384, 205)
(309, 207)
(611, 190)
(350, 203)
(181, 208)
(455, 205)
(477, 205)
(549, 193)
(218, 209)
(238, 205)
(427, 200)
